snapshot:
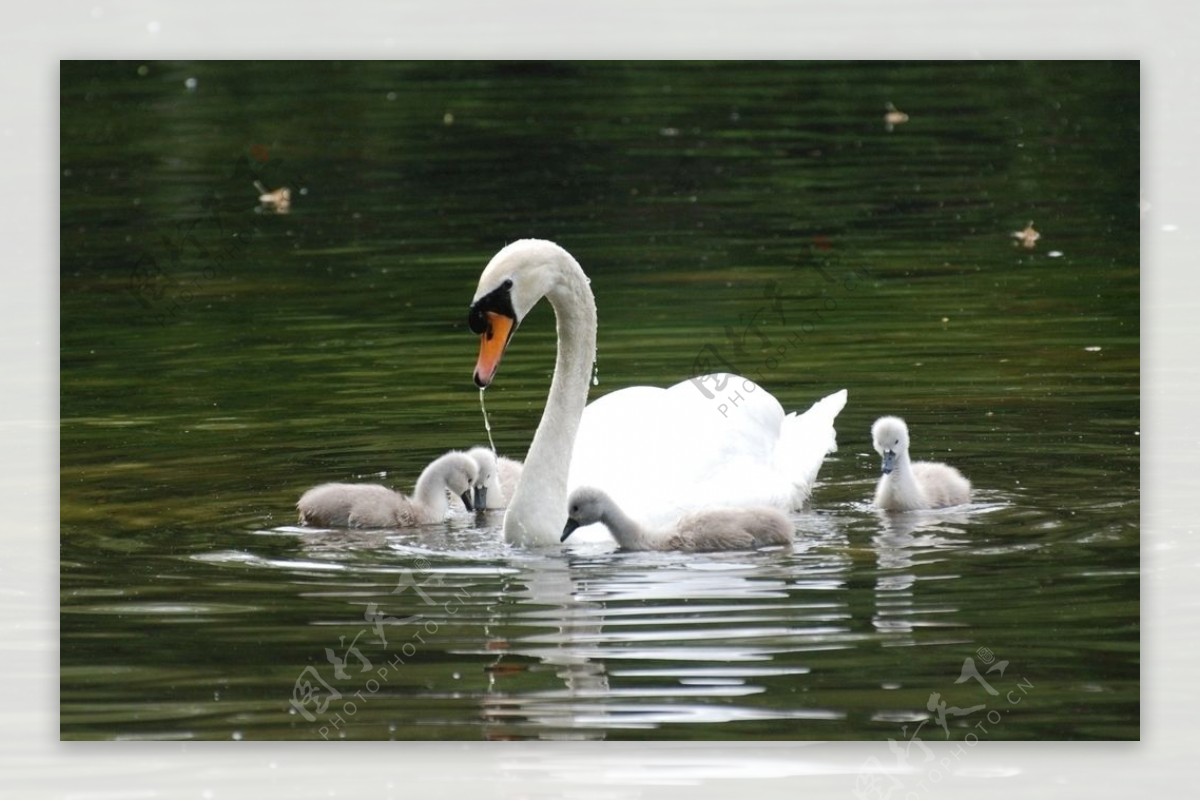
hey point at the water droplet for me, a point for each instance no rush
(486, 423)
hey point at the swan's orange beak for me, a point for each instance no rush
(492, 343)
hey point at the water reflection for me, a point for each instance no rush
(683, 634)
(594, 641)
(595, 621)
(551, 585)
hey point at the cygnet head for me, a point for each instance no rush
(489, 473)
(586, 505)
(891, 439)
(513, 282)
(459, 473)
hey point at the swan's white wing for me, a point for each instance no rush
(744, 418)
(730, 448)
(806, 439)
(660, 453)
(623, 447)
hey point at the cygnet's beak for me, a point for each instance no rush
(466, 499)
(889, 461)
(568, 528)
(481, 497)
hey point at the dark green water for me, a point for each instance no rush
(218, 358)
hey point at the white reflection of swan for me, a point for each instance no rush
(901, 538)
(674, 626)
(551, 583)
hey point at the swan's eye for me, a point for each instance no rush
(499, 300)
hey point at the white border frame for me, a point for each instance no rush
(33, 39)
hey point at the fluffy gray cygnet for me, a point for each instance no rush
(376, 506)
(908, 486)
(498, 477)
(706, 530)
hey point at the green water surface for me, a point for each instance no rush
(219, 357)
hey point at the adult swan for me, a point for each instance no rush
(656, 452)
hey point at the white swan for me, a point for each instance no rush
(376, 506)
(906, 486)
(710, 441)
(706, 530)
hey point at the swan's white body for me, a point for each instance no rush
(661, 452)
(657, 452)
(908, 486)
(377, 506)
(731, 529)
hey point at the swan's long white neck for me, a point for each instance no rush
(538, 509)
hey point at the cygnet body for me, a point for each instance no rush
(907, 486)
(705, 530)
(376, 506)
